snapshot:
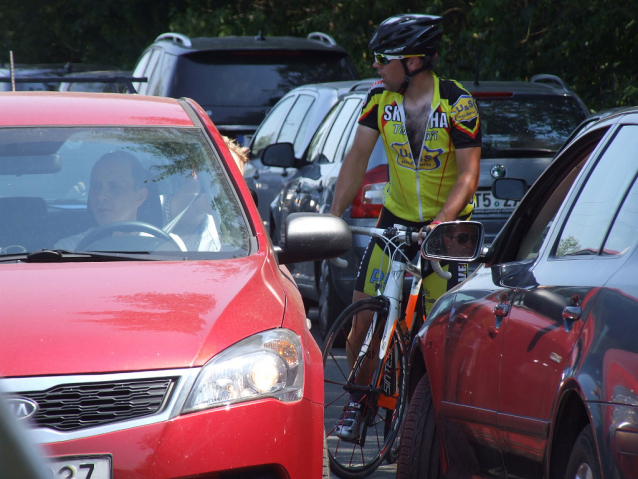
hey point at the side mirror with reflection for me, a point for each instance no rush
(454, 241)
(281, 155)
(509, 188)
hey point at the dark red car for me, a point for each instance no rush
(148, 329)
(529, 368)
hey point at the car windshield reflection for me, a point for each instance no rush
(154, 191)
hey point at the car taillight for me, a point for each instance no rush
(369, 199)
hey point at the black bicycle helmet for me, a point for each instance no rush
(407, 34)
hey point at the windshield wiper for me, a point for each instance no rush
(59, 255)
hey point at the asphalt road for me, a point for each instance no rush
(385, 471)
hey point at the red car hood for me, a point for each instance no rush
(125, 316)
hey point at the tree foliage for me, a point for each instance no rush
(588, 44)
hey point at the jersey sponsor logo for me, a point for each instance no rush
(392, 113)
(428, 160)
(465, 108)
(438, 119)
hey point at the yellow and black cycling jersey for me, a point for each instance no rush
(417, 190)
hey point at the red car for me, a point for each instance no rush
(148, 329)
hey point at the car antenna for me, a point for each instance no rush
(260, 36)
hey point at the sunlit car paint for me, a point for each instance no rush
(89, 322)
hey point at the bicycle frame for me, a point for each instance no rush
(393, 292)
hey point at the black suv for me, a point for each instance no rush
(238, 79)
(523, 124)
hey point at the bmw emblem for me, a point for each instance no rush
(22, 408)
(498, 171)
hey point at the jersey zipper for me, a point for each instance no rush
(414, 158)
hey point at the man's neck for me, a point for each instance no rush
(420, 89)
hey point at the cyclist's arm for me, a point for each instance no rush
(468, 162)
(353, 169)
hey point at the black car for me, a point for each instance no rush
(42, 76)
(523, 125)
(238, 79)
(529, 368)
(294, 119)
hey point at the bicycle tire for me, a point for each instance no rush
(359, 459)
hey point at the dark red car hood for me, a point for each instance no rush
(75, 318)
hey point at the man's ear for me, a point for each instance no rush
(142, 194)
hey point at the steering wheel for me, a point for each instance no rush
(124, 227)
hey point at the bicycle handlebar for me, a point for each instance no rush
(381, 233)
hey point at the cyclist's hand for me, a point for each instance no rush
(423, 232)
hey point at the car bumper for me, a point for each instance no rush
(261, 439)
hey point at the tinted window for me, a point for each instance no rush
(522, 125)
(253, 78)
(591, 215)
(270, 125)
(291, 130)
(339, 130)
(624, 232)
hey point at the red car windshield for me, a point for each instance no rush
(157, 192)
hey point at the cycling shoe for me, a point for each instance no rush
(349, 424)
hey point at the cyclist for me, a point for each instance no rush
(432, 137)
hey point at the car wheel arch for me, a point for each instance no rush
(570, 418)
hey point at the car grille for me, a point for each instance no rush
(71, 407)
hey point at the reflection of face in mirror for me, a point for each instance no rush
(117, 188)
(460, 240)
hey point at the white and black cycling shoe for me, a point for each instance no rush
(349, 424)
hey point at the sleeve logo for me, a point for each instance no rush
(465, 109)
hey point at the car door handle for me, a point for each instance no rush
(572, 313)
(501, 310)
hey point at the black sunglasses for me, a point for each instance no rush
(462, 238)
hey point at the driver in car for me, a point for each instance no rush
(116, 191)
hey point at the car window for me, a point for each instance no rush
(346, 140)
(264, 136)
(253, 78)
(139, 69)
(59, 186)
(591, 215)
(314, 150)
(338, 131)
(291, 130)
(524, 125)
(150, 68)
(624, 231)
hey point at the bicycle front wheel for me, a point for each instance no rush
(383, 393)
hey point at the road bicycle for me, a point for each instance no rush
(384, 354)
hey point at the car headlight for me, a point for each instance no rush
(268, 364)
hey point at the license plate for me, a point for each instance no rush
(81, 467)
(486, 203)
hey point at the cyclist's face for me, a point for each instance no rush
(462, 243)
(391, 73)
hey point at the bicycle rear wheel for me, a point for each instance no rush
(382, 403)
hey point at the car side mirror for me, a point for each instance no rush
(509, 188)
(313, 237)
(281, 155)
(454, 241)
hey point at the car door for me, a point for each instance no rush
(287, 122)
(479, 326)
(306, 193)
(550, 305)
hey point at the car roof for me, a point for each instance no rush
(515, 87)
(69, 108)
(184, 45)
